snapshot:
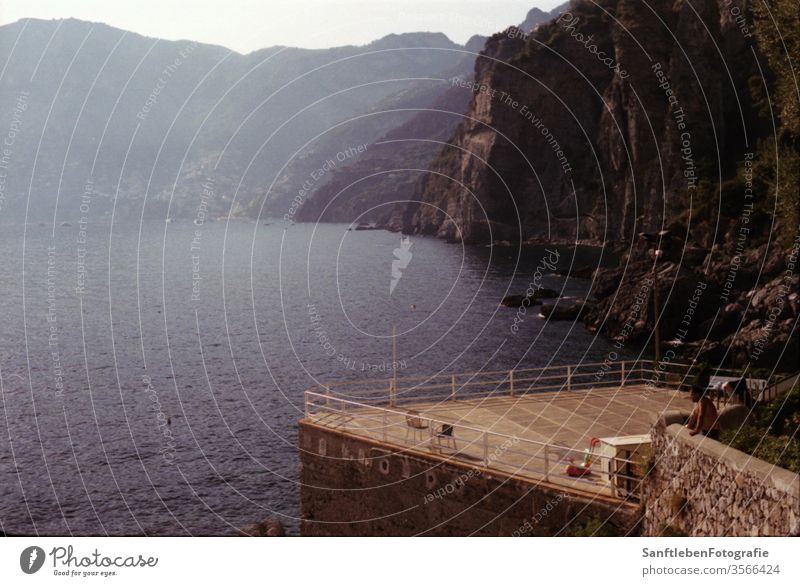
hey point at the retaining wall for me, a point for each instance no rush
(700, 486)
(351, 485)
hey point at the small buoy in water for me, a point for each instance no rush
(169, 420)
(413, 306)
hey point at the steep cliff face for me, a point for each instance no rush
(416, 124)
(391, 171)
(390, 167)
(727, 282)
(614, 111)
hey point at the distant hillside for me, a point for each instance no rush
(122, 115)
(388, 170)
(391, 169)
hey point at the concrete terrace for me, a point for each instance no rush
(533, 434)
(570, 418)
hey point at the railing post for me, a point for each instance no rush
(622, 373)
(392, 393)
(511, 382)
(452, 387)
(327, 397)
(308, 406)
(641, 489)
(486, 449)
(569, 378)
(546, 463)
(383, 411)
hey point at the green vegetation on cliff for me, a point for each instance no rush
(775, 172)
(777, 28)
(770, 433)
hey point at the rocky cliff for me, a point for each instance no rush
(391, 170)
(728, 278)
(612, 112)
(676, 120)
(416, 124)
(718, 305)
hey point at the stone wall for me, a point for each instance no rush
(354, 486)
(700, 486)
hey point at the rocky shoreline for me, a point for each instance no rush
(716, 306)
(724, 309)
(656, 161)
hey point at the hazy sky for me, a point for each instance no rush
(246, 25)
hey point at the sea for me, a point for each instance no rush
(152, 373)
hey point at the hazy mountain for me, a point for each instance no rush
(536, 17)
(424, 119)
(135, 116)
(392, 168)
(383, 117)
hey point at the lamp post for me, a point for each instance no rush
(656, 254)
(393, 394)
(393, 383)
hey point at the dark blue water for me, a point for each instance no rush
(220, 328)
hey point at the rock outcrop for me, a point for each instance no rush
(622, 117)
(721, 310)
(566, 308)
(269, 527)
(561, 143)
(534, 299)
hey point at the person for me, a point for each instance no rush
(739, 390)
(704, 415)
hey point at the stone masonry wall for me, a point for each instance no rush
(354, 486)
(702, 487)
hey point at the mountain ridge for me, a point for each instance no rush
(183, 111)
(390, 172)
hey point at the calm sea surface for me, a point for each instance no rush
(107, 331)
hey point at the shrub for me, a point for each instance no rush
(771, 432)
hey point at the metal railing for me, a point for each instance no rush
(490, 449)
(516, 382)
(373, 409)
(777, 388)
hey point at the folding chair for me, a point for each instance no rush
(447, 433)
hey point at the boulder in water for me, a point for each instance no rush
(269, 527)
(518, 301)
(564, 308)
(528, 300)
(544, 293)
